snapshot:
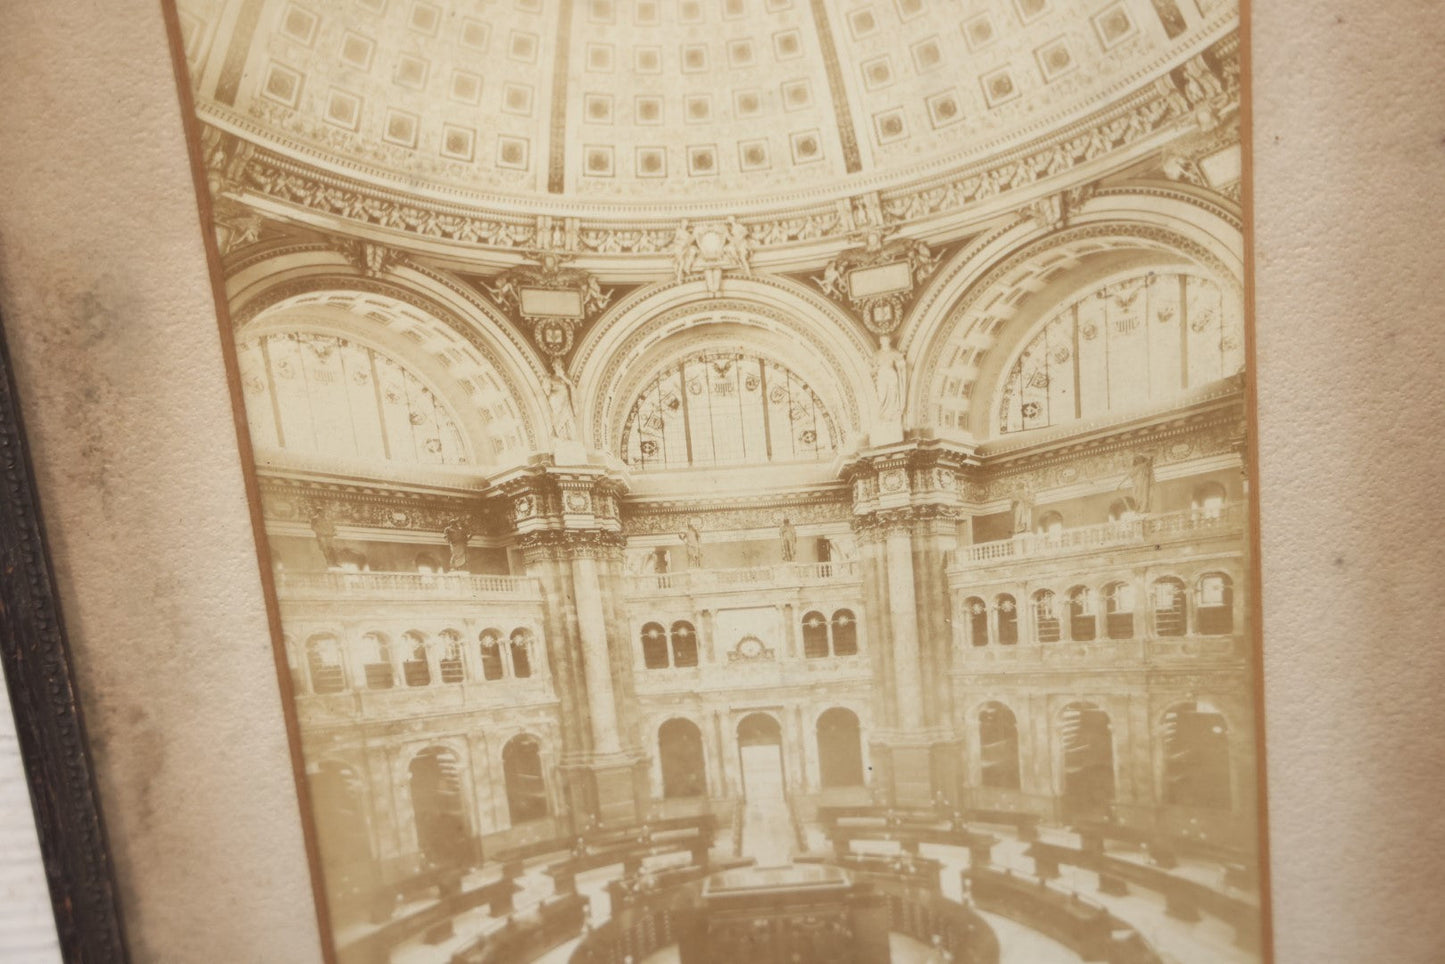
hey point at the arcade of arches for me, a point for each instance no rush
(596, 498)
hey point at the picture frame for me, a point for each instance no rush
(1296, 784)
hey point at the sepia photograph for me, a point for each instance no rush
(749, 480)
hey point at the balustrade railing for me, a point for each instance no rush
(702, 580)
(448, 585)
(1140, 530)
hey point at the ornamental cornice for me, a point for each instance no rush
(291, 500)
(563, 544)
(280, 176)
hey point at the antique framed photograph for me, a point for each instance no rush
(749, 480)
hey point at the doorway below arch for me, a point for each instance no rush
(767, 823)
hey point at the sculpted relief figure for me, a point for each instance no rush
(890, 374)
(562, 404)
(684, 251)
(456, 535)
(692, 540)
(788, 537)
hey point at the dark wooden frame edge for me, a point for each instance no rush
(35, 655)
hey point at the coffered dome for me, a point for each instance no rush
(671, 105)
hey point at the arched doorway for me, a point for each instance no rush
(1196, 757)
(760, 747)
(840, 749)
(526, 783)
(341, 832)
(679, 749)
(1088, 760)
(442, 831)
(998, 747)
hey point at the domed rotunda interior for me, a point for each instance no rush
(750, 480)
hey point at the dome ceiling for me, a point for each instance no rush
(670, 104)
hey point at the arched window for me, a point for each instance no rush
(679, 751)
(727, 408)
(415, 670)
(491, 650)
(976, 615)
(815, 635)
(1123, 510)
(323, 659)
(1083, 609)
(1046, 616)
(376, 661)
(450, 652)
(351, 561)
(1088, 760)
(521, 653)
(654, 646)
(341, 832)
(323, 394)
(998, 747)
(845, 633)
(1214, 604)
(1119, 610)
(1130, 343)
(1208, 500)
(684, 644)
(840, 748)
(442, 829)
(1170, 618)
(1196, 757)
(1050, 525)
(526, 783)
(1008, 619)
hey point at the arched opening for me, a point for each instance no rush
(526, 784)
(1123, 510)
(977, 621)
(521, 653)
(1119, 610)
(684, 644)
(437, 801)
(415, 669)
(840, 748)
(376, 661)
(323, 659)
(1050, 525)
(1214, 604)
(490, 647)
(845, 633)
(815, 635)
(351, 561)
(760, 747)
(1082, 614)
(1170, 618)
(998, 747)
(727, 408)
(1196, 757)
(449, 662)
(1008, 619)
(654, 646)
(1046, 616)
(1207, 500)
(679, 750)
(428, 564)
(1088, 760)
(341, 832)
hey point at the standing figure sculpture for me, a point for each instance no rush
(1023, 510)
(457, 536)
(684, 251)
(788, 536)
(1141, 481)
(560, 399)
(890, 375)
(692, 539)
(325, 531)
(739, 246)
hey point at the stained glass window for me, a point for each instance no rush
(727, 408)
(1124, 346)
(326, 395)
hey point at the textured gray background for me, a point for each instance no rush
(103, 282)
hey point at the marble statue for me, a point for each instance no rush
(1141, 481)
(692, 539)
(560, 399)
(890, 373)
(325, 531)
(457, 536)
(788, 536)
